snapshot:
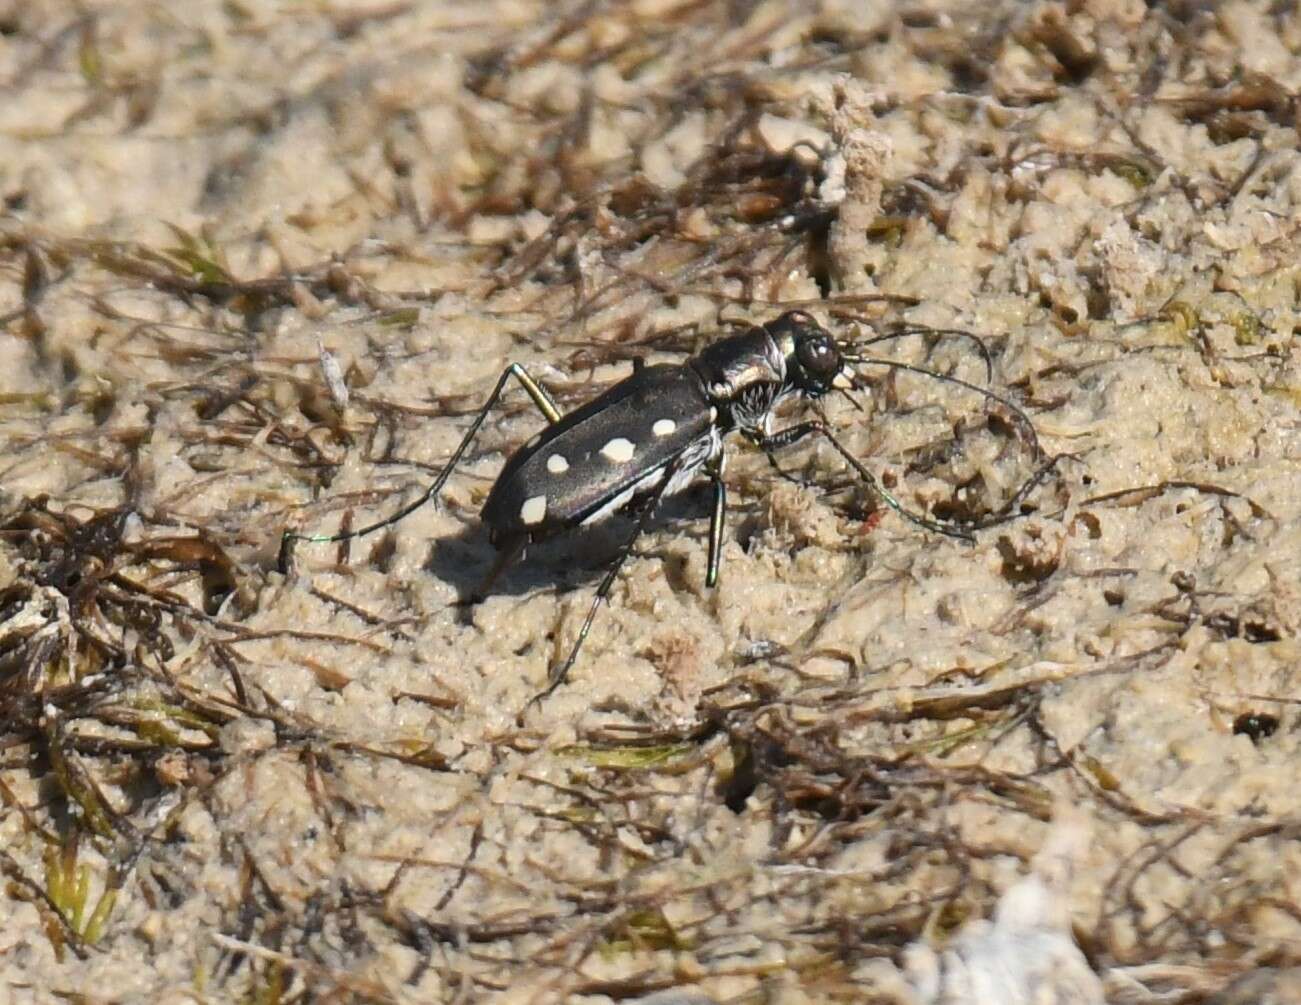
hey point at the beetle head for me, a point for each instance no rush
(814, 365)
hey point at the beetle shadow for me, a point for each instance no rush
(465, 561)
(567, 561)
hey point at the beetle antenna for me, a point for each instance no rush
(898, 333)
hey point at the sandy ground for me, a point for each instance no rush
(259, 264)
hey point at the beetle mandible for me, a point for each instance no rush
(653, 433)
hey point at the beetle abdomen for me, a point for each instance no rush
(596, 458)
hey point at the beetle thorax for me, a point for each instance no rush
(744, 376)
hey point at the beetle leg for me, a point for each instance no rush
(508, 552)
(715, 470)
(793, 434)
(783, 473)
(545, 404)
(557, 675)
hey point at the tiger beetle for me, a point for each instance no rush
(651, 434)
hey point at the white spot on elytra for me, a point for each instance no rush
(533, 510)
(557, 465)
(664, 427)
(619, 450)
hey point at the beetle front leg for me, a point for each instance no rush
(803, 483)
(793, 434)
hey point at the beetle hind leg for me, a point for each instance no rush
(556, 676)
(545, 404)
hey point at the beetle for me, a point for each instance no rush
(656, 432)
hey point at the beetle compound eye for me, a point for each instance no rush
(817, 355)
